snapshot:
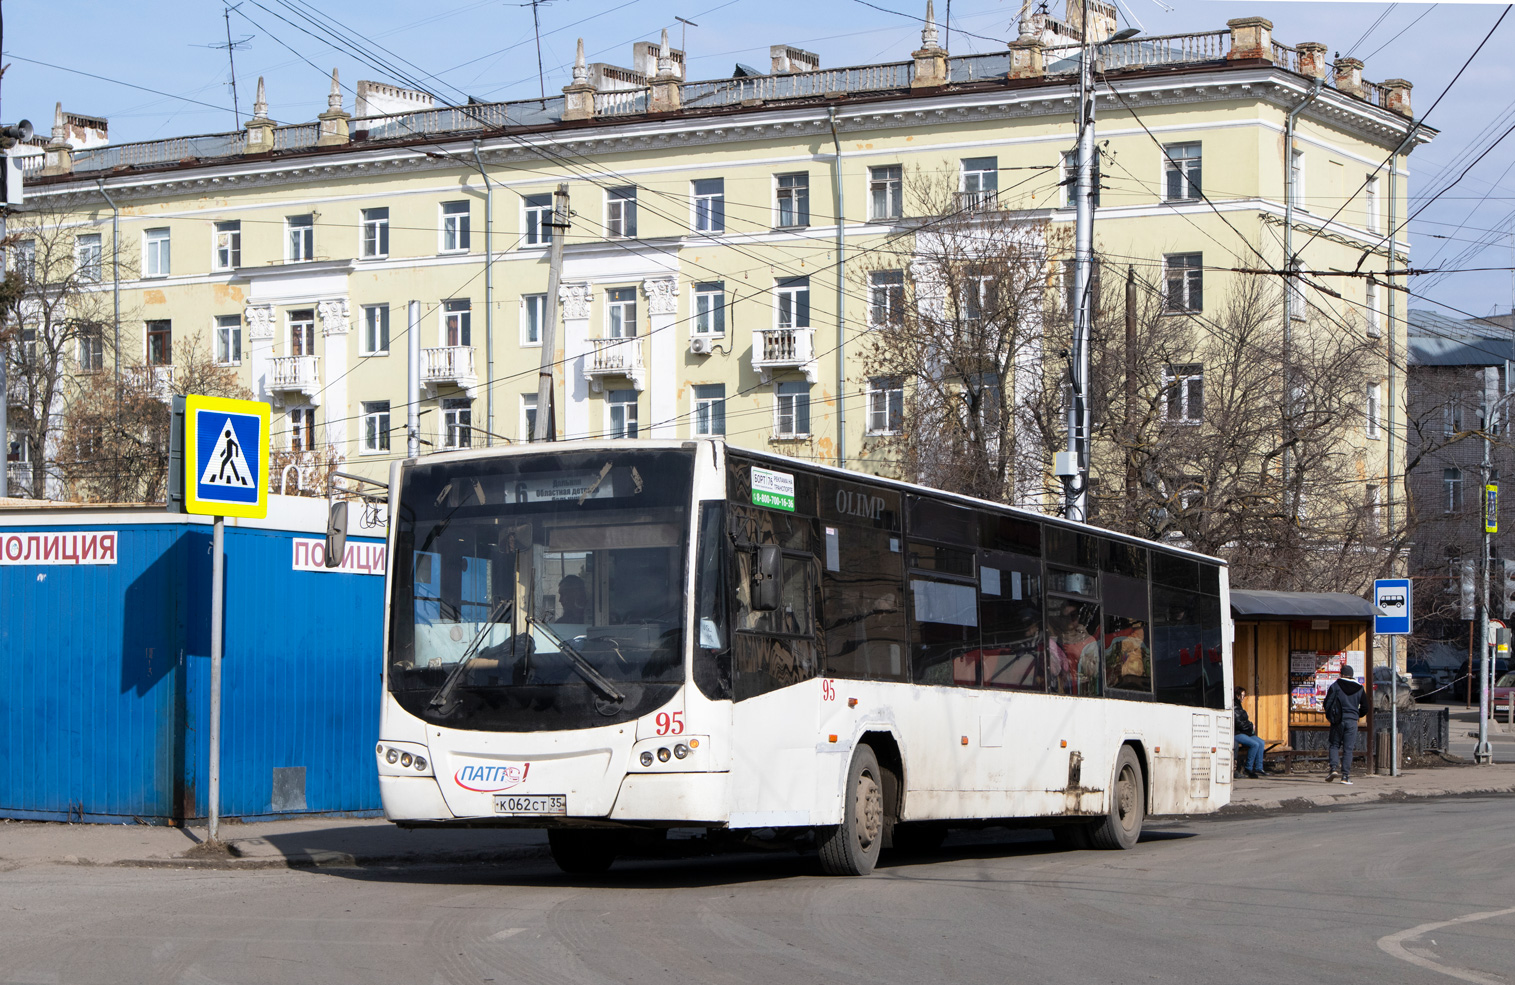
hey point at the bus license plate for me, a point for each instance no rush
(552, 803)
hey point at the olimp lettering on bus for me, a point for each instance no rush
(490, 779)
(850, 503)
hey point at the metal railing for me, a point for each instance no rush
(155, 380)
(299, 137)
(799, 85)
(447, 363)
(148, 153)
(1169, 49)
(983, 200)
(294, 373)
(454, 119)
(614, 357)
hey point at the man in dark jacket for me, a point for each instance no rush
(1246, 737)
(1346, 702)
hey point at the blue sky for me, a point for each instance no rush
(485, 48)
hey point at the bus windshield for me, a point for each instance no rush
(540, 591)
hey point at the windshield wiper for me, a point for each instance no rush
(583, 667)
(442, 699)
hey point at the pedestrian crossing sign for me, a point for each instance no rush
(226, 456)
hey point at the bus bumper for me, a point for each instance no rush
(692, 797)
(413, 798)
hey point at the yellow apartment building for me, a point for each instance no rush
(707, 285)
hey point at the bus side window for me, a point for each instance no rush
(1010, 614)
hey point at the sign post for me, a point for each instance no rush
(1392, 606)
(225, 457)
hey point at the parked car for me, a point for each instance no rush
(1423, 680)
(1504, 692)
(1460, 685)
(1383, 694)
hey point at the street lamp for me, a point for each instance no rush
(1488, 506)
(1073, 465)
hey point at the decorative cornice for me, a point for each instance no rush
(575, 299)
(260, 321)
(334, 316)
(662, 295)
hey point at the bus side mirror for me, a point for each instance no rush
(336, 534)
(767, 581)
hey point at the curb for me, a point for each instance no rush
(1363, 797)
(324, 860)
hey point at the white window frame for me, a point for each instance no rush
(533, 309)
(1373, 501)
(373, 233)
(708, 414)
(457, 320)
(1451, 484)
(787, 400)
(1375, 326)
(227, 332)
(616, 328)
(621, 212)
(1193, 267)
(91, 351)
(1189, 170)
(797, 196)
(147, 336)
(528, 415)
(1297, 173)
(978, 186)
(1370, 203)
(710, 309)
(157, 252)
(889, 179)
(707, 209)
(300, 238)
(792, 293)
(89, 257)
(24, 255)
(886, 405)
(455, 226)
(375, 330)
(1373, 411)
(1178, 380)
(886, 297)
(457, 422)
(294, 325)
(226, 245)
(376, 427)
(536, 228)
(627, 426)
(302, 416)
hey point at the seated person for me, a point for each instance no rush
(573, 599)
(1247, 739)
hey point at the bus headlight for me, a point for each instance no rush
(421, 763)
(680, 751)
(663, 754)
(406, 759)
(393, 756)
(647, 758)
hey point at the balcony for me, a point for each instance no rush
(155, 380)
(448, 365)
(783, 349)
(977, 202)
(295, 375)
(615, 357)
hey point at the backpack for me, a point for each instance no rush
(1333, 705)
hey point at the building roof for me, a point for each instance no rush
(1298, 605)
(1433, 339)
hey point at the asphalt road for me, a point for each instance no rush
(1354, 895)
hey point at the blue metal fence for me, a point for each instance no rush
(105, 678)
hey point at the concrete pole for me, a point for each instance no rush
(217, 608)
(841, 300)
(413, 383)
(1482, 753)
(547, 429)
(1083, 262)
(488, 299)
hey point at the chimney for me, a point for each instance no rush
(260, 129)
(1349, 76)
(333, 122)
(382, 99)
(646, 54)
(58, 154)
(788, 59)
(931, 59)
(1312, 59)
(1397, 99)
(1251, 38)
(666, 87)
(578, 97)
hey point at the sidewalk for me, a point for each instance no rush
(336, 842)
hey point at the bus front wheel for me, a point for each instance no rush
(581, 852)
(852, 847)
(1121, 827)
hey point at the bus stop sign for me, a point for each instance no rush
(1391, 602)
(226, 457)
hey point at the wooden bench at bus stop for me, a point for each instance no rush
(1277, 751)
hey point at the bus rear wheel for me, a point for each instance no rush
(852, 847)
(583, 852)
(1121, 828)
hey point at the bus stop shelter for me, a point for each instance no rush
(1288, 648)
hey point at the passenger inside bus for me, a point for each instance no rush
(573, 600)
(1073, 656)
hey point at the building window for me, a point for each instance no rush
(710, 205)
(155, 246)
(375, 329)
(1070, 179)
(454, 227)
(228, 255)
(1297, 177)
(794, 199)
(978, 296)
(457, 322)
(621, 406)
(533, 317)
(538, 222)
(1451, 484)
(710, 308)
(792, 302)
(1373, 508)
(791, 410)
(1370, 203)
(457, 422)
(528, 416)
(980, 184)
(885, 192)
(228, 340)
(1452, 417)
(621, 313)
(621, 212)
(302, 429)
(375, 426)
(300, 237)
(886, 297)
(886, 404)
(1184, 393)
(302, 332)
(1181, 173)
(710, 409)
(25, 255)
(91, 350)
(87, 256)
(1375, 328)
(160, 342)
(375, 233)
(1183, 282)
(1372, 410)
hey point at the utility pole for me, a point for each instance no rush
(413, 382)
(546, 428)
(1130, 402)
(488, 299)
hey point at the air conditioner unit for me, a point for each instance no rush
(699, 345)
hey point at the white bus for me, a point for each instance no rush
(614, 639)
